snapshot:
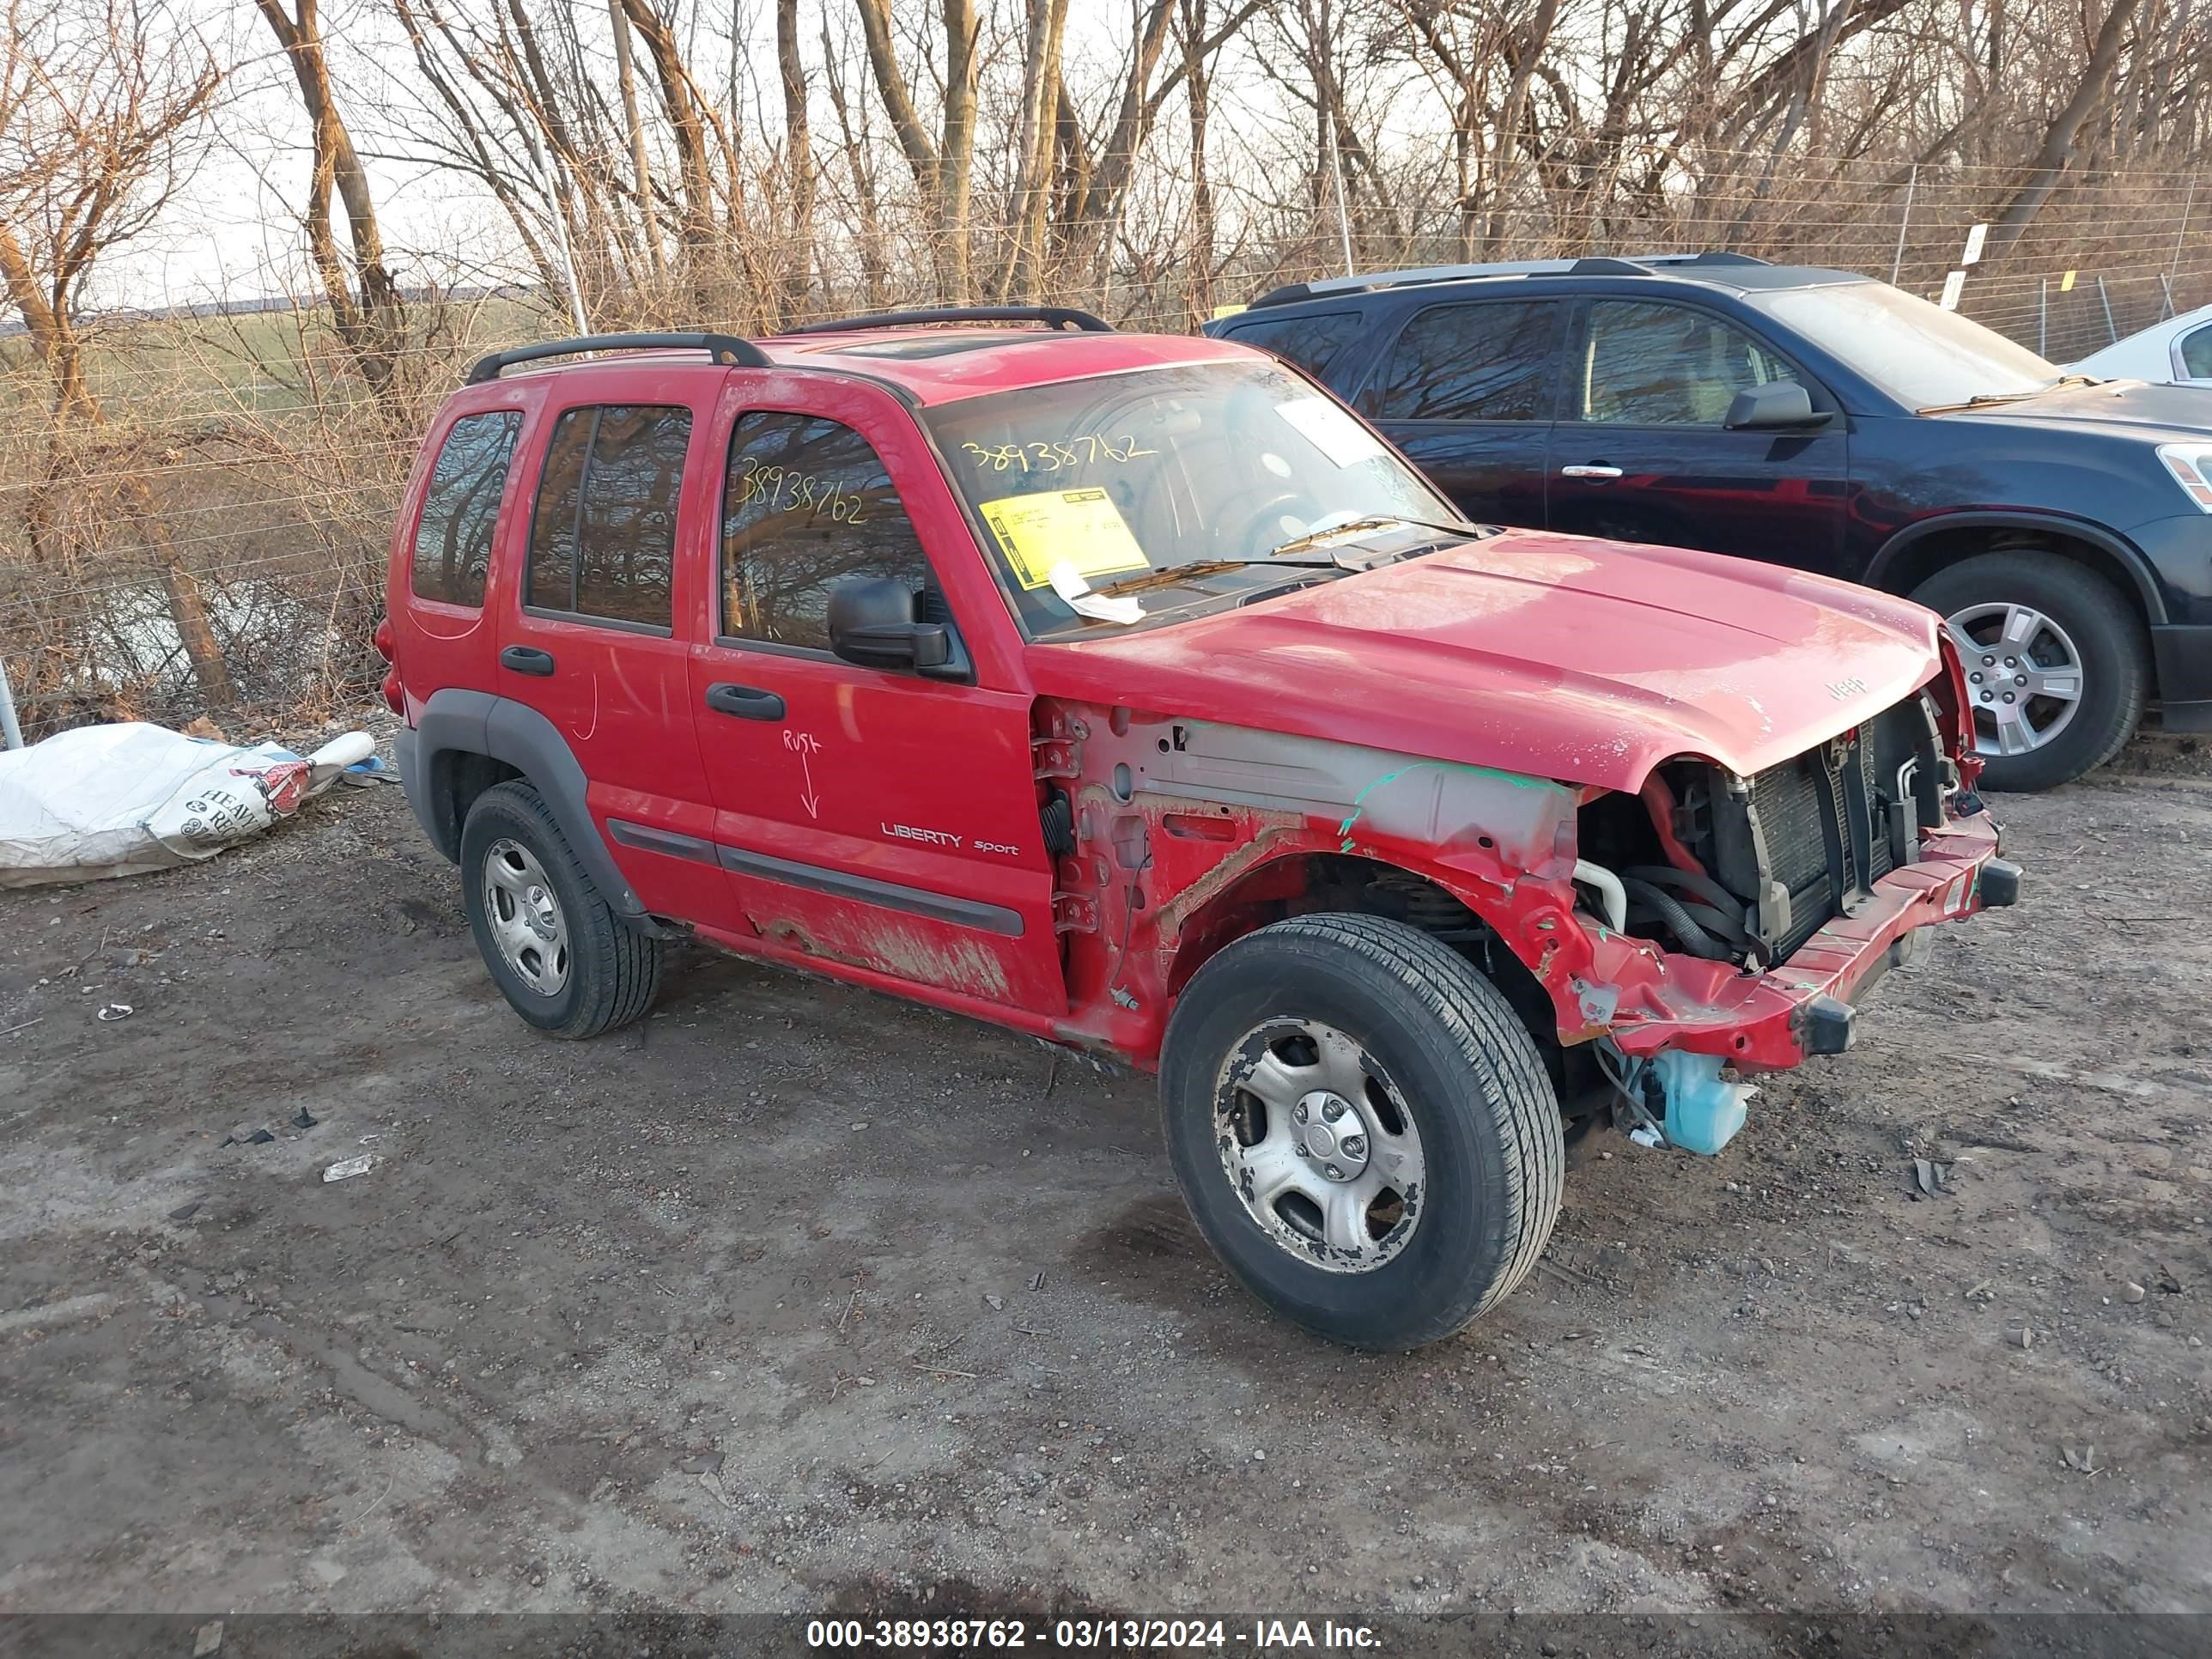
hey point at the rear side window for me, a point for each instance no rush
(460, 509)
(808, 504)
(1489, 362)
(1311, 343)
(2197, 354)
(1658, 365)
(603, 536)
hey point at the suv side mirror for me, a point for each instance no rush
(1776, 403)
(871, 623)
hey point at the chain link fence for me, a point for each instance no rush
(241, 477)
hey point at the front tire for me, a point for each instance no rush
(2057, 664)
(1362, 1128)
(564, 960)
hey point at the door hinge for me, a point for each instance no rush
(1074, 913)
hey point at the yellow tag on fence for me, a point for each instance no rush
(1077, 527)
(2066, 283)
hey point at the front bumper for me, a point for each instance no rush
(1805, 1006)
(2183, 654)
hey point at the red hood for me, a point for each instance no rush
(1551, 656)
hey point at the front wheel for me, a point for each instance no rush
(1361, 1127)
(2057, 664)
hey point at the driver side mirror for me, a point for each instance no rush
(871, 623)
(1778, 404)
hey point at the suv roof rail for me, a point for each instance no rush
(1604, 264)
(722, 348)
(1060, 317)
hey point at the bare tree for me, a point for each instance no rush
(372, 321)
(100, 108)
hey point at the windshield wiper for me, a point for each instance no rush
(1985, 399)
(1169, 575)
(1354, 527)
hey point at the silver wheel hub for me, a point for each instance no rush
(1331, 1135)
(526, 923)
(2023, 675)
(1319, 1145)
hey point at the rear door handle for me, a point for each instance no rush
(746, 703)
(526, 660)
(1594, 470)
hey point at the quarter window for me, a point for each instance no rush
(1659, 365)
(460, 509)
(807, 504)
(2197, 354)
(1470, 362)
(1311, 343)
(603, 538)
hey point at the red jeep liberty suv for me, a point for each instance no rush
(1127, 691)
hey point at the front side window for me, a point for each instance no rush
(1311, 343)
(1660, 365)
(807, 504)
(460, 509)
(2197, 354)
(1181, 481)
(1490, 362)
(603, 536)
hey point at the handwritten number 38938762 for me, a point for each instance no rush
(783, 488)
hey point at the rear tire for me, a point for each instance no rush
(562, 958)
(1407, 1060)
(2087, 618)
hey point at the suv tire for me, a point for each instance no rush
(1415, 1070)
(2088, 614)
(565, 962)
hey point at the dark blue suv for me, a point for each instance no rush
(1819, 419)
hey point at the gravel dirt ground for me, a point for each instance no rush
(795, 1297)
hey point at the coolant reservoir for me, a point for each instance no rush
(1703, 1113)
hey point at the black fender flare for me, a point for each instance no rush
(460, 722)
(2120, 551)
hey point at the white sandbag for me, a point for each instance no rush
(118, 800)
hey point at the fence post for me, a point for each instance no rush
(1343, 218)
(1897, 263)
(2165, 284)
(11, 734)
(2173, 266)
(2112, 329)
(2043, 316)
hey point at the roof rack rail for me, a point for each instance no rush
(722, 348)
(1060, 317)
(1604, 264)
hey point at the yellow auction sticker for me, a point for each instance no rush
(1077, 527)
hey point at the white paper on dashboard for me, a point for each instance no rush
(1330, 431)
(1068, 582)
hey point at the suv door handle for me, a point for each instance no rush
(745, 702)
(1596, 470)
(526, 660)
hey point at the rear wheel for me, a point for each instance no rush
(1361, 1127)
(564, 960)
(2057, 664)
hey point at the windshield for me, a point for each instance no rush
(1922, 355)
(1202, 469)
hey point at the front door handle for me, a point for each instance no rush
(745, 702)
(526, 660)
(1596, 470)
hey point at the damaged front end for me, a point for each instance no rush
(1762, 909)
(1648, 939)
